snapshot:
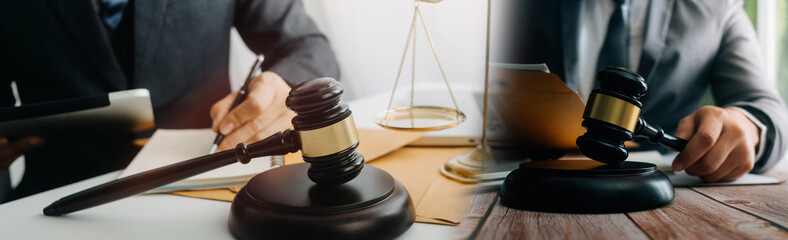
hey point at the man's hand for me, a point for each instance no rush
(721, 146)
(260, 115)
(10, 151)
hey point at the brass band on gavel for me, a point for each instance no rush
(612, 110)
(330, 139)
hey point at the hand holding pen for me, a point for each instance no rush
(254, 112)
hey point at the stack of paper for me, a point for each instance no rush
(172, 146)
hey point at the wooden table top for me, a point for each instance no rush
(725, 212)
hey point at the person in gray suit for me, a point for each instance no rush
(681, 48)
(178, 50)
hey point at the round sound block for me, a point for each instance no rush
(283, 203)
(586, 186)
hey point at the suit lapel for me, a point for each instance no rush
(570, 27)
(657, 24)
(87, 31)
(149, 18)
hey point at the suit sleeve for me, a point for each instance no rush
(6, 97)
(739, 80)
(292, 45)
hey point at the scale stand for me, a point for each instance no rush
(469, 166)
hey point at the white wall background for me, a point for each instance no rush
(368, 37)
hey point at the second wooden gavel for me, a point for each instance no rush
(612, 116)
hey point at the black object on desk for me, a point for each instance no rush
(608, 184)
(344, 198)
(585, 186)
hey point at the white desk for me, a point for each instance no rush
(154, 216)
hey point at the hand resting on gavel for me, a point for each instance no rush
(721, 147)
(720, 142)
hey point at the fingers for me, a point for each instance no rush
(719, 153)
(245, 112)
(249, 135)
(255, 130)
(709, 127)
(737, 164)
(261, 114)
(737, 173)
(277, 126)
(220, 109)
(721, 147)
(264, 91)
(686, 127)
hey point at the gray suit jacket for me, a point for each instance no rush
(57, 49)
(688, 47)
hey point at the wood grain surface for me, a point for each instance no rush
(477, 211)
(729, 212)
(694, 216)
(507, 223)
(766, 202)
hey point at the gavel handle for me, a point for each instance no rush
(673, 142)
(657, 135)
(278, 144)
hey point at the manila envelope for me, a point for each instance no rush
(541, 111)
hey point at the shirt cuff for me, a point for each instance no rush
(761, 129)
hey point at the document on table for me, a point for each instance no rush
(169, 146)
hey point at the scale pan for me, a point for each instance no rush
(419, 118)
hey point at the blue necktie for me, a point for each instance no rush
(615, 50)
(112, 12)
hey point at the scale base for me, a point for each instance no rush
(586, 186)
(467, 167)
(283, 203)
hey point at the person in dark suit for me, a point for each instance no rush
(178, 50)
(681, 48)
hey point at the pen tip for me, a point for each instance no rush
(213, 149)
(52, 210)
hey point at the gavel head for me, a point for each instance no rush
(611, 115)
(326, 131)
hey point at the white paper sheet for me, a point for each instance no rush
(169, 146)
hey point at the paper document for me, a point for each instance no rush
(538, 110)
(538, 67)
(168, 146)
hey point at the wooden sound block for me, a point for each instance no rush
(283, 203)
(586, 186)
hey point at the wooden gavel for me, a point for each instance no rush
(612, 116)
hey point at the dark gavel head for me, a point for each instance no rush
(326, 130)
(611, 115)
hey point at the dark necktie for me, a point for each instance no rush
(615, 49)
(112, 12)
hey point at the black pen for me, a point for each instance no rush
(240, 98)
